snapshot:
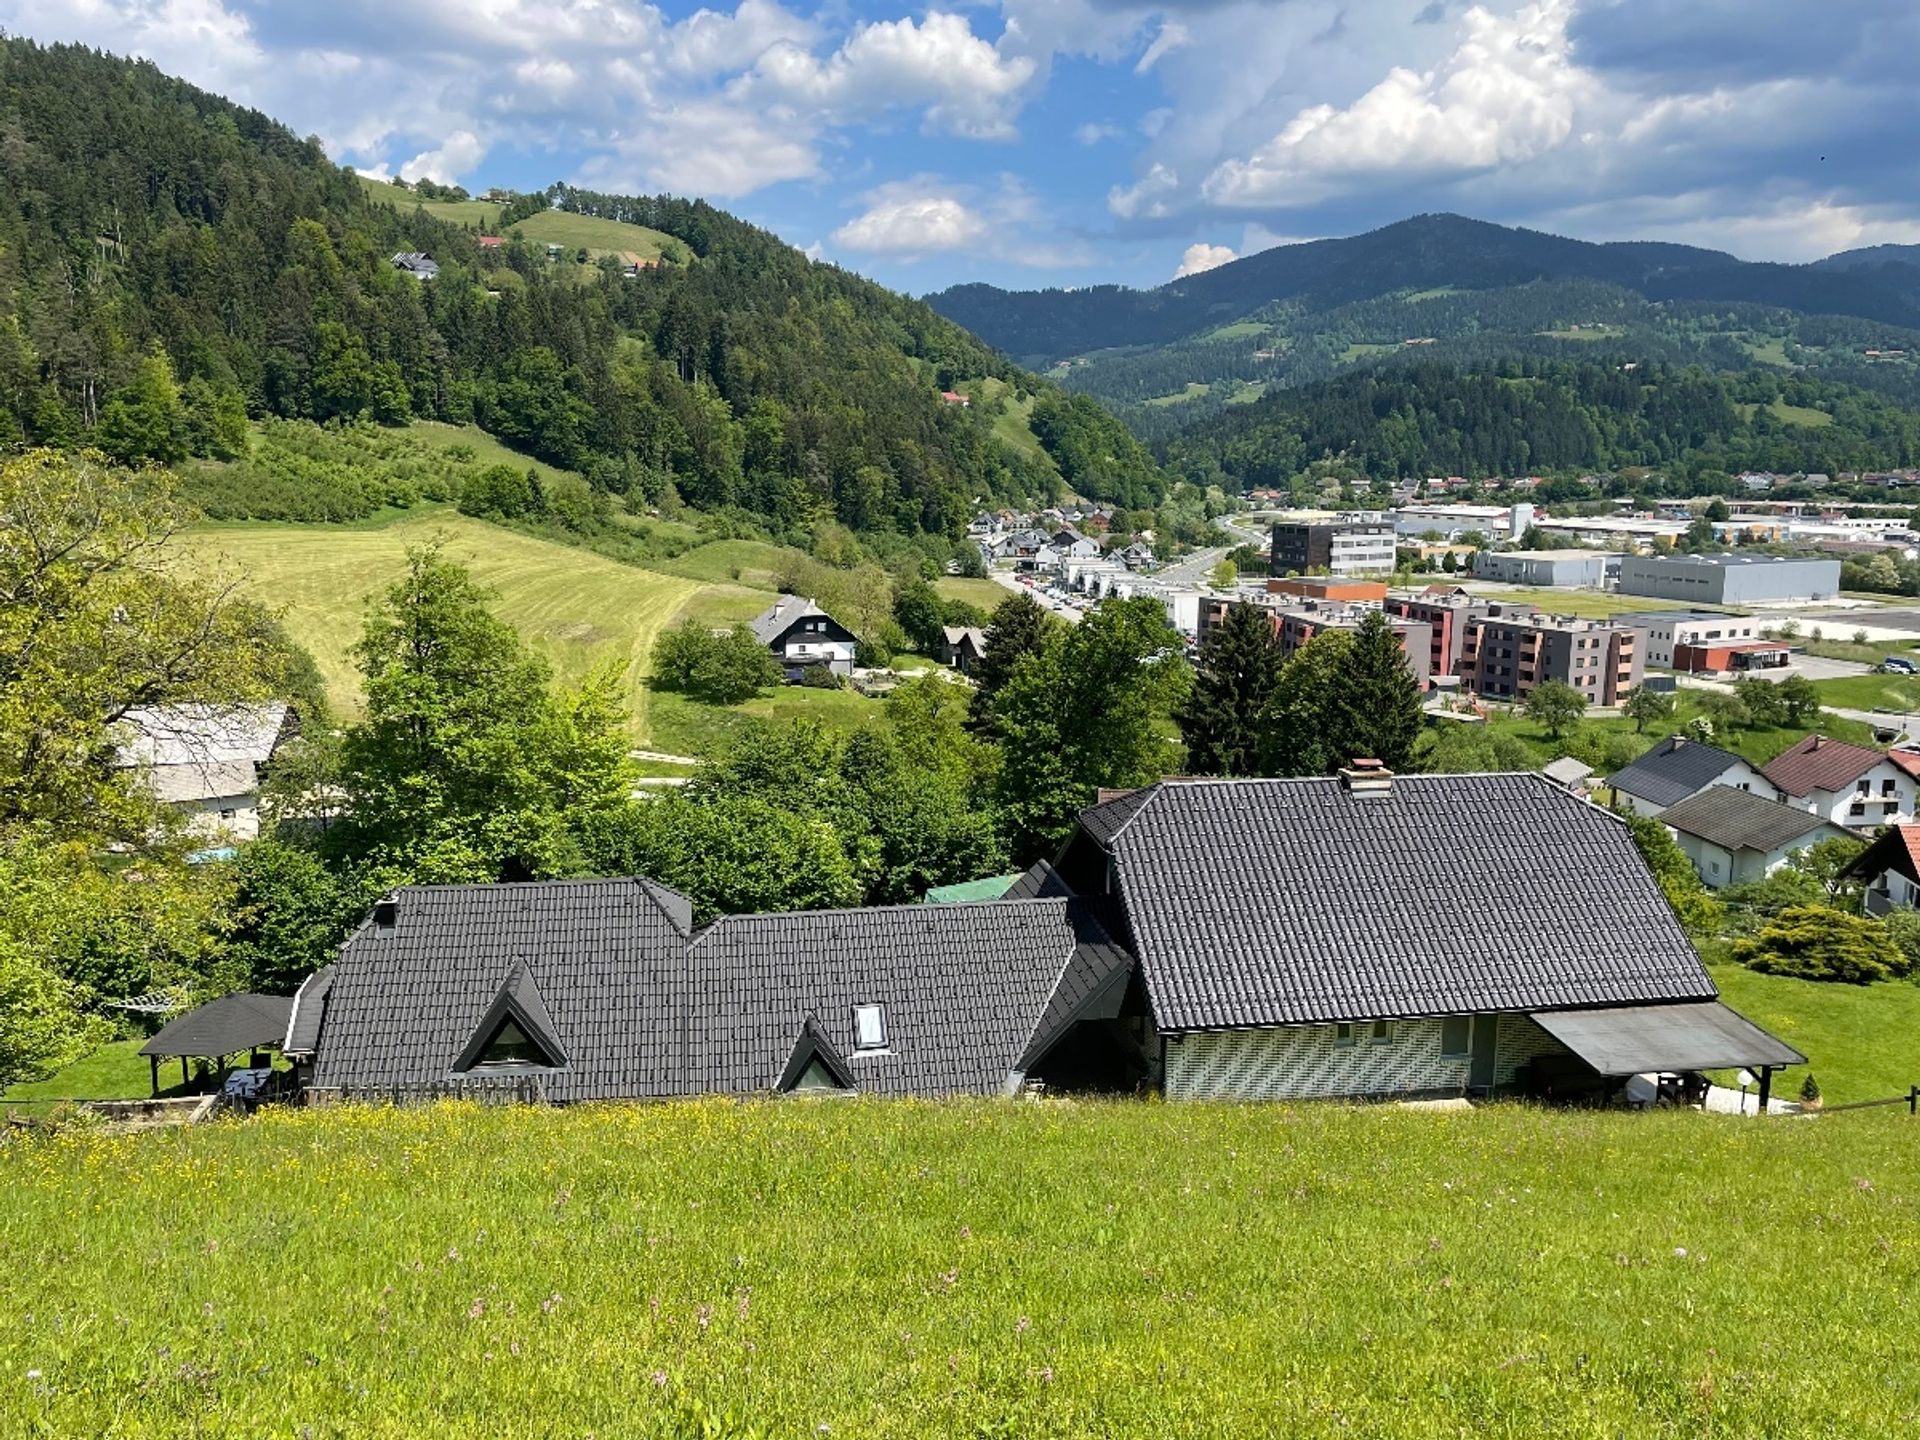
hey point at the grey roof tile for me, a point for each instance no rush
(1736, 820)
(224, 1026)
(1262, 902)
(1674, 769)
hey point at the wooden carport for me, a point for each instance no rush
(231, 1025)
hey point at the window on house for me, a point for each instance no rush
(1864, 787)
(869, 1028)
(1343, 1034)
(1456, 1037)
(512, 1046)
(1886, 787)
(1382, 1033)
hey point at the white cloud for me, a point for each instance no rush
(1096, 132)
(968, 87)
(1506, 95)
(1172, 36)
(1791, 228)
(1147, 198)
(910, 224)
(454, 157)
(710, 147)
(1200, 257)
(198, 40)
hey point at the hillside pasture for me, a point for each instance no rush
(836, 1268)
(549, 227)
(1862, 1042)
(577, 609)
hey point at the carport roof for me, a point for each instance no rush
(224, 1027)
(1644, 1039)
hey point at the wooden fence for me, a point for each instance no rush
(491, 1090)
(1911, 1100)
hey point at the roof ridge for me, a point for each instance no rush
(905, 907)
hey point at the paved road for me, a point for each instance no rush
(1010, 581)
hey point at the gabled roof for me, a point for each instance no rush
(809, 1045)
(1895, 848)
(1819, 763)
(518, 1000)
(1674, 769)
(974, 635)
(1040, 882)
(1263, 902)
(224, 1027)
(309, 1012)
(202, 735)
(786, 612)
(1739, 820)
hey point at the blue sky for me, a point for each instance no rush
(1066, 142)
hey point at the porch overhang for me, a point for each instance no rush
(1647, 1039)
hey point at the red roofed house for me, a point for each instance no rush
(491, 242)
(1890, 869)
(954, 397)
(1850, 785)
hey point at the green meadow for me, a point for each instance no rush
(989, 1268)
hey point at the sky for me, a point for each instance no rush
(1034, 143)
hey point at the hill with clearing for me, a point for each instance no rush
(545, 227)
(990, 1268)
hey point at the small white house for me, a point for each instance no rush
(1677, 768)
(1734, 837)
(1849, 785)
(800, 633)
(205, 762)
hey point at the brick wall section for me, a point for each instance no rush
(1301, 1062)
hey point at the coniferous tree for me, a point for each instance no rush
(1019, 627)
(1372, 706)
(1240, 664)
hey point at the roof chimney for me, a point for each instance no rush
(1367, 777)
(386, 910)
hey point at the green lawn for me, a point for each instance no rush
(1757, 743)
(1770, 351)
(984, 593)
(1239, 330)
(576, 608)
(1248, 393)
(1587, 604)
(1872, 692)
(1862, 1042)
(1194, 390)
(994, 1268)
(684, 726)
(1360, 349)
(753, 563)
(114, 1072)
(1011, 424)
(549, 227)
(1792, 414)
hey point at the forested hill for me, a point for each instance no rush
(1426, 252)
(1533, 417)
(138, 213)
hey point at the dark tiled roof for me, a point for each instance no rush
(607, 981)
(963, 988)
(309, 1009)
(224, 1027)
(1736, 820)
(1040, 882)
(1818, 763)
(1896, 848)
(1673, 770)
(788, 611)
(1262, 902)
(605, 956)
(1103, 821)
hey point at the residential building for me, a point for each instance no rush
(1566, 569)
(1663, 630)
(1137, 556)
(1450, 614)
(1730, 579)
(416, 264)
(1677, 769)
(1344, 545)
(800, 633)
(1850, 785)
(961, 646)
(1504, 657)
(1299, 624)
(1382, 944)
(1734, 837)
(1889, 870)
(206, 762)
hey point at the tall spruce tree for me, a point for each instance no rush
(1019, 627)
(1240, 664)
(1372, 705)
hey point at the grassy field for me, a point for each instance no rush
(1585, 332)
(549, 227)
(1872, 692)
(1011, 424)
(1862, 1042)
(688, 727)
(113, 1072)
(1194, 390)
(1757, 743)
(972, 1269)
(1248, 393)
(1770, 351)
(1791, 414)
(754, 563)
(576, 608)
(1588, 604)
(984, 593)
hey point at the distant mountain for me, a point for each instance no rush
(142, 216)
(1454, 289)
(1871, 256)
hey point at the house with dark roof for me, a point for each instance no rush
(1359, 936)
(800, 633)
(1889, 870)
(961, 646)
(417, 264)
(1734, 837)
(1850, 785)
(1677, 768)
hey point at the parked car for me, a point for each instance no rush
(1895, 665)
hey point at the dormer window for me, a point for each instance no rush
(869, 1028)
(512, 1046)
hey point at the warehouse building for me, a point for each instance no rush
(1730, 579)
(1565, 569)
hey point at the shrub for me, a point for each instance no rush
(1815, 942)
(721, 669)
(819, 677)
(1809, 1090)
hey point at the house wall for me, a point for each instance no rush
(1890, 891)
(1740, 777)
(1887, 800)
(836, 655)
(1301, 1062)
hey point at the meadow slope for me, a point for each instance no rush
(578, 609)
(984, 1269)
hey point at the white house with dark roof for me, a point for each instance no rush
(1734, 837)
(800, 633)
(1677, 768)
(205, 762)
(1356, 937)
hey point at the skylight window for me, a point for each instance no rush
(869, 1028)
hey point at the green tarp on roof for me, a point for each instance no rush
(991, 888)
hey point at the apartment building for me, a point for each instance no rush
(1663, 632)
(1343, 545)
(1448, 615)
(1503, 658)
(1298, 622)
